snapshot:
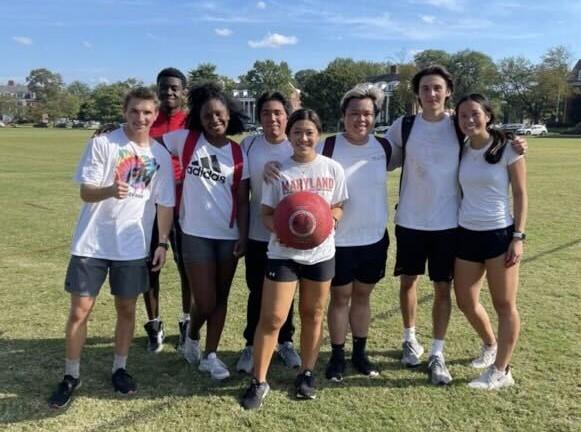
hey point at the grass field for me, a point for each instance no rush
(39, 205)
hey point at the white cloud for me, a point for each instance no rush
(224, 32)
(22, 40)
(273, 40)
(429, 19)
(87, 44)
(261, 5)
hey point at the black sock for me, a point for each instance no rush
(338, 350)
(359, 346)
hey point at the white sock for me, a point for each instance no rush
(437, 347)
(185, 317)
(73, 367)
(119, 362)
(409, 334)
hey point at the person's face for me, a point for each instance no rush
(304, 137)
(472, 119)
(359, 117)
(140, 115)
(170, 91)
(273, 119)
(433, 93)
(214, 117)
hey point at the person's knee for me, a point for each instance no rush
(271, 322)
(125, 309)
(505, 308)
(340, 300)
(442, 292)
(407, 283)
(312, 315)
(80, 311)
(360, 298)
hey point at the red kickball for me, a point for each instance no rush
(303, 220)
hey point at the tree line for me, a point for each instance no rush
(518, 87)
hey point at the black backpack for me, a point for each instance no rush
(329, 147)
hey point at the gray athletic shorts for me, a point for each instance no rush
(197, 250)
(85, 276)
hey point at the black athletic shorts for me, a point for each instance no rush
(478, 246)
(415, 247)
(286, 270)
(365, 263)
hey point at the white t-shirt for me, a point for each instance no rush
(206, 206)
(485, 203)
(322, 176)
(120, 229)
(365, 213)
(259, 151)
(429, 197)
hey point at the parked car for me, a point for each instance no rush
(381, 129)
(512, 127)
(2, 124)
(537, 129)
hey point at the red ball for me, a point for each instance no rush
(303, 220)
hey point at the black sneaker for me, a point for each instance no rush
(123, 382)
(155, 335)
(362, 365)
(305, 385)
(335, 368)
(254, 395)
(64, 392)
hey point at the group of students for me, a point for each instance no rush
(453, 212)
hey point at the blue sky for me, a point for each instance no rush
(109, 40)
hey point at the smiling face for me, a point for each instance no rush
(433, 92)
(139, 115)
(359, 119)
(170, 92)
(304, 137)
(473, 119)
(273, 120)
(214, 117)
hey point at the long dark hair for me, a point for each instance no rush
(499, 138)
(201, 94)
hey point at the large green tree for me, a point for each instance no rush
(206, 72)
(106, 101)
(473, 72)
(268, 76)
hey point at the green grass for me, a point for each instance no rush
(39, 205)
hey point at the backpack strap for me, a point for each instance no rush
(461, 137)
(250, 145)
(386, 148)
(329, 146)
(406, 129)
(236, 179)
(187, 153)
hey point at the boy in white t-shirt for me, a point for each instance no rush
(123, 176)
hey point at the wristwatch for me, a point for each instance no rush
(519, 235)
(164, 245)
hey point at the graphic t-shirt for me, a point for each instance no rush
(120, 229)
(322, 176)
(259, 151)
(365, 213)
(206, 206)
(429, 197)
(485, 203)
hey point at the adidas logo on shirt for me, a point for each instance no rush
(208, 168)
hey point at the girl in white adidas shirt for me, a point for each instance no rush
(213, 216)
(490, 239)
(313, 269)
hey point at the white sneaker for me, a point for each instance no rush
(288, 354)
(437, 370)
(411, 353)
(487, 357)
(492, 379)
(192, 351)
(245, 362)
(215, 366)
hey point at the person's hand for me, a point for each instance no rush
(239, 248)
(271, 171)
(119, 189)
(514, 253)
(106, 128)
(520, 145)
(158, 258)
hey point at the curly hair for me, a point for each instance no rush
(197, 98)
(171, 72)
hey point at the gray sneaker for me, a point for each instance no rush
(254, 395)
(411, 353)
(192, 352)
(288, 354)
(437, 370)
(245, 362)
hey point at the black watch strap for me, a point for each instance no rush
(164, 245)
